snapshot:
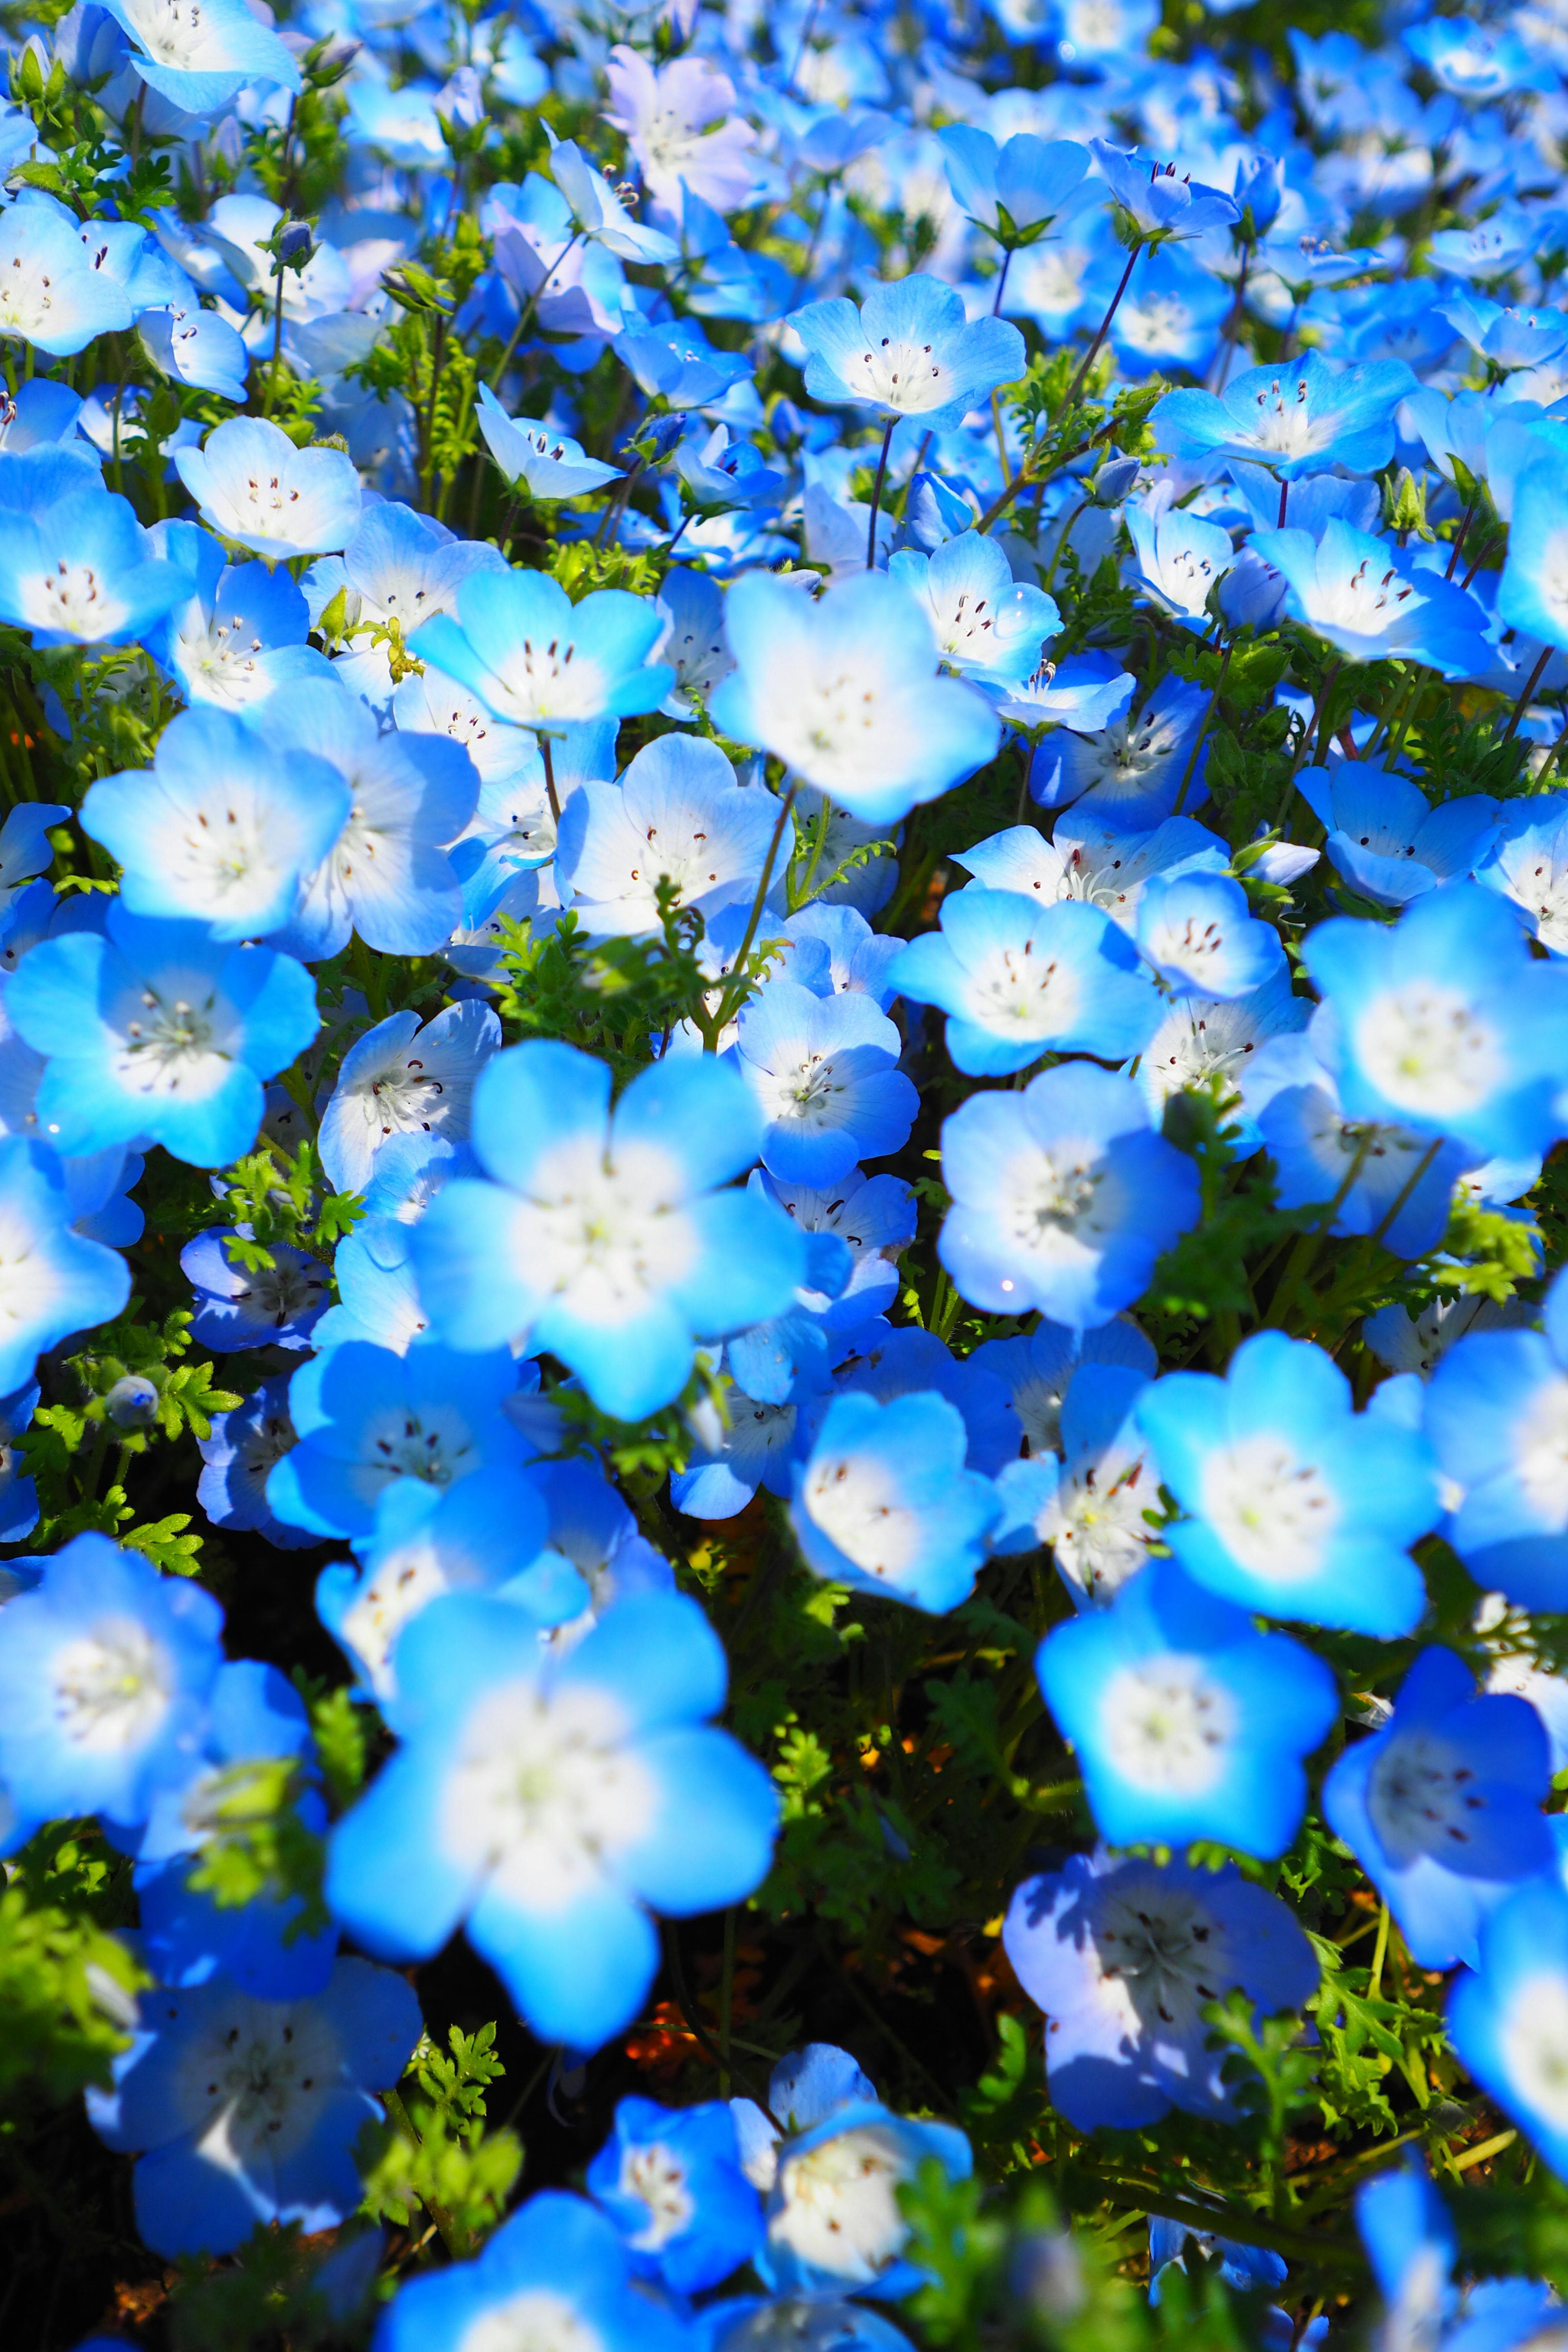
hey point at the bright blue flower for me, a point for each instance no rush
(874, 1216)
(1384, 1177)
(756, 1449)
(1372, 602)
(845, 691)
(547, 465)
(242, 634)
(1527, 864)
(822, 1072)
(364, 1418)
(989, 626)
(1087, 692)
(908, 350)
(888, 1364)
(1533, 594)
(18, 1494)
(202, 63)
(557, 2268)
(1508, 2022)
(605, 1239)
(1015, 191)
(1179, 559)
(405, 1079)
(591, 1527)
(1018, 981)
(485, 1535)
(1158, 202)
(1442, 1807)
(276, 1306)
(105, 1673)
(1125, 1958)
(222, 829)
(54, 298)
(1495, 1411)
(77, 567)
(253, 485)
(536, 658)
(1208, 1043)
(237, 1459)
(1168, 317)
(1386, 839)
(1297, 1505)
(1039, 1368)
(1443, 1022)
(547, 1804)
(196, 348)
(1098, 1507)
(1244, 2269)
(1091, 858)
(1185, 1721)
(885, 1505)
(378, 1291)
(676, 363)
(1197, 932)
(53, 1281)
(671, 2182)
(1063, 1196)
(1411, 2244)
(1306, 417)
(157, 1032)
(834, 2221)
(678, 815)
(248, 2110)
(1478, 61)
(1130, 769)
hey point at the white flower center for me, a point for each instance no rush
(657, 2178)
(542, 1791)
(1163, 1944)
(1541, 1452)
(1273, 1512)
(1426, 1047)
(1533, 2039)
(1096, 1525)
(605, 1236)
(837, 2206)
(537, 2320)
(1422, 1800)
(857, 1499)
(112, 1686)
(1167, 1725)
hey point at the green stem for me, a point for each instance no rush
(734, 994)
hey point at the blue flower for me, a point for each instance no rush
(834, 2220)
(1090, 856)
(53, 1281)
(1496, 1412)
(405, 1079)
(1442, 1808)
(1157, 202)
(237, 1459)
(557, 2270)
(1527, 862)
(1123, 1957)
(1186, 1723)
(1015, 191)
(1508, 2020)
(366, 1418)
(1530, 593)
(1039, 1369)
(202, 63)
(1086, 692)
(54, 299)
(75, 566)
(157, 1031)
(1388, 842)
(275, 1305)
(196, 348)
(1443, 1022)
(989, 626)
(253, 485)
(536, 658)
(248, 2109)
(671, 2182)
(845, 691)
(824, 1074)
(1063, 1196)
(241, 634)
(885, 1505)
(908, 350)
(1131, 770)
(1298, 1507)
(874, 1216)
(1306, 417)
(1199, 934)
(1371, 603)
(18, 1494)
(222, 829)
(1207, 1042)
(1098, 1507)
(677, 814)
(547, 465)
(1018, 980)
(605, 1239)
(547, 1802)
(1180, 559)
(105, 1671)
(1411, 2244)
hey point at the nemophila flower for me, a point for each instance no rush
(1210, 1042)
(1087, 692)
(53, 1280)
(1527, 864)
(755, 1447)
(50, 295)
(1018, 981)
(1168, 317)
(1366, 598)
(677, 814)
(834, 2221)
(546, 465)
(75, 566)
(681, 128)
(1198, 933)
(378, 1292)
(845, 691)
(1495, 248)
(222, 830)
(1306, 417)
(1016, 189)
(874, 1216)
(1088, 857)
(405, 1078)
(1179, 559)
(670, 2180)
(196, 348)
(247, 2110)
(386, 876)
(201, 58)
(105, 1670)
(1386, 839)
(1125, 1958)
(1099, 1507)
(253, 485)
(1158, 204)
(25, 851)
(1508, 2020)
(988, 626)
(1298, 1507)
(536, 658)
(884, 1502)
(547, 1801)
(18, 1494)
(1533, 594)
(364, 1417)
(1063, 1197)
(1383, 1178)
(1443, 1022)
(1131, 770)
(1186, 1722)
(1442, 1807)
(591, 1527)
(486, 1534)
(1412, 2246)
(674, 363)
(693, 642)
(155, 1031)
(887, 1363)
(238, 1458)
(1039, 1368)
(398, 566)
(823, 1073)
(907, 351)
(241, 634)
(557, 2273)
(1497, 1416)
(275, 1305)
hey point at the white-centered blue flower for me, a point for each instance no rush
(1018, 981)
(253, 485)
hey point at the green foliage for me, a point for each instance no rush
(66, 1994)
(255, 1844)
(615, 997)
(439, 2151)
(276, 1197)
(268, 2293)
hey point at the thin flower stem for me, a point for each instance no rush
(876, 497)
(1380, 1953)
(1203, 731)
(729, 1002)
(1408, 1187)
(1462, 533)
(1530, 683)
(1002, 281)
(1104, 329)
(544, 753)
